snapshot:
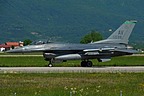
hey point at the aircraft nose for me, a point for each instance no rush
(25, 49)
(18, 50)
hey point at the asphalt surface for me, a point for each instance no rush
(30, 55)
(135, 69)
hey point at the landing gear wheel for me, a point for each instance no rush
(50, 65)
(83, 64)
(86, 64)
(89, 64)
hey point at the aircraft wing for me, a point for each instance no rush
(96, 51)
(108, 51)
(127, 51)
(99, 49)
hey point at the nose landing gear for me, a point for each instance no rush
(50, 62)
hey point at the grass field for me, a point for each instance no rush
(38, 61)
(78, 84)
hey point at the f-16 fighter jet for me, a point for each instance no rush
(115, 45)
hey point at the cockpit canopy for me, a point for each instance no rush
(39, 42)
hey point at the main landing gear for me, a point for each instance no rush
(83, 63)
(86, 64)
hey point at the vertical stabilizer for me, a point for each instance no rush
(122, 34)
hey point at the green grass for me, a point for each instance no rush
(125, 61)
(39, 61)
(80, 84)
(28, 61)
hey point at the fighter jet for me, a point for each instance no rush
(115, 45)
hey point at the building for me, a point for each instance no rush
(10, 45)
(4, 47)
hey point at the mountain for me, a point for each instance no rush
(67, 20)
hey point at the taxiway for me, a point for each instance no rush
(135, 69)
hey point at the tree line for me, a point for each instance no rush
(93, 36)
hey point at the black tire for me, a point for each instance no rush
(89, 64)
(83, 64)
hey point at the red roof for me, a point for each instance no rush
(5, 46)
(12, 43)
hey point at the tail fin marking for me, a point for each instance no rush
(122, 34)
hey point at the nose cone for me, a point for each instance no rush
(25, 49)
(18, 50)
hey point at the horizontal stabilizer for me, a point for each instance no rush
(127, 51)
